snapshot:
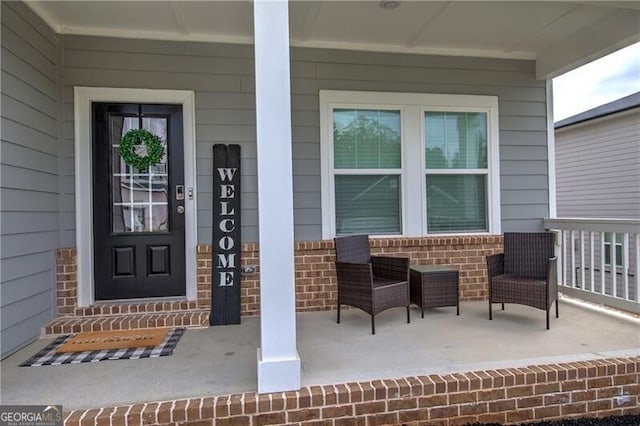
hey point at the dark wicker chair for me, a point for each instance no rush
(525, 273)
(371, 283)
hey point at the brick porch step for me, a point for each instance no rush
(129, 321)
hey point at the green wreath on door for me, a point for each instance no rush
(135, 137)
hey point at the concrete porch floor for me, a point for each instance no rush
(222, 360)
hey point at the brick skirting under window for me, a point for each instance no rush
(596, 388)
(314, 272)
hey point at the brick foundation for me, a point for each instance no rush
(314, 273)
(596, 388)
(67, 281)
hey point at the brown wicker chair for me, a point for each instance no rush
(371, 283)
(525, 273)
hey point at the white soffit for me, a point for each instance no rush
(559, 35)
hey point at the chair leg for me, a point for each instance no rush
(422, 311)
(458, 308)
(373, 324)
(503, 306)
(557, 309)
(490, 311)
(338, 319)
(408, 315)
(547, 319)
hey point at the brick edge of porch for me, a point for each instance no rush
(594, 388)
(71, 325)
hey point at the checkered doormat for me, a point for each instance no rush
(49, 356)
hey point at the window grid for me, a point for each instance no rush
(139, 182)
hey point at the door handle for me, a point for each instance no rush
(179, 192)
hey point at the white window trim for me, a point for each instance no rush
(613, 254)
(412, 107)
(493, 176)
(83, 97)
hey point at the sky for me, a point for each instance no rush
(609, 78)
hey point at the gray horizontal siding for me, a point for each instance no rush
(17, 155)
(25, 327)
(23, 244)
(511, 93)
(222, 77)
(31, 31)
(25, 287)
(17, 133)
(29, 190)
(29, 201)
(18, 267)
(598, 167)
(28, 179)
(14, 63)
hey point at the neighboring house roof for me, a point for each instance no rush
(622, 104)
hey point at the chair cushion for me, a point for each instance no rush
(515, 289)
(381, 282)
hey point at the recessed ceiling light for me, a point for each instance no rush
(389, 4)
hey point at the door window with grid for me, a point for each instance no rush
(139, 196)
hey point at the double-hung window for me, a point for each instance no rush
(367, 163)
(456, 171)
(408, 164)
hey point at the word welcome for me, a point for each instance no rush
(227, 224)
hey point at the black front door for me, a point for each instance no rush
(138, 215)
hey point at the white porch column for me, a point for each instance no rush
(278, 359)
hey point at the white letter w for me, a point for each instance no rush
(226, 174)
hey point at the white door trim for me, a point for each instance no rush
(83, 97)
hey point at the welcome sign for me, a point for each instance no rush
(226, 242)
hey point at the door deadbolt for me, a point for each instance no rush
(180, 209)
(179, 192)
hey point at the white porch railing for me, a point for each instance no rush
(599, 260)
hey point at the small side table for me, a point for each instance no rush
(433, 286)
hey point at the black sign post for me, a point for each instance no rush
(226, 242)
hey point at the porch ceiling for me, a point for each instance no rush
(559, 35)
